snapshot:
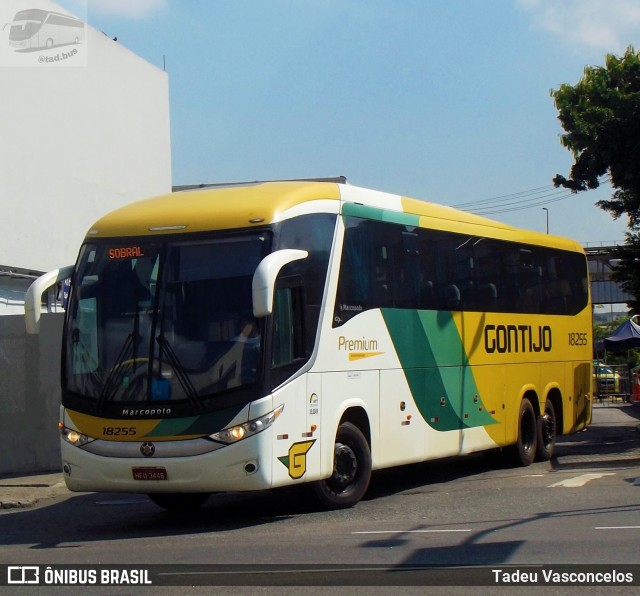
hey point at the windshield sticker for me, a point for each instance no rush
(296, 460)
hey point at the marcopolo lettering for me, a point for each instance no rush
(517, 338)
(146, 412)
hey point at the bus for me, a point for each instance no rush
(257, 335)
(35, 29)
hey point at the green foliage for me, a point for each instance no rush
(601, 119)
(600, 331)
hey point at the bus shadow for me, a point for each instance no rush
(426, 476)
(95, 517)
(602, 446)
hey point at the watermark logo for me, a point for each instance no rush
(75, 575)
(23, 574)
(40, 33)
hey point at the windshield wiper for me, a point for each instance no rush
(117, 371)
(181, 373)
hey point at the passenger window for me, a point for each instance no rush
(288, 344)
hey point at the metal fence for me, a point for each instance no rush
(614, 382)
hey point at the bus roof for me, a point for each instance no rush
(245, 205)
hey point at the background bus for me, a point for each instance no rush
(259, 335)
(35, 29)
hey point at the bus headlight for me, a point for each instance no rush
(233, 434)
(74, 437)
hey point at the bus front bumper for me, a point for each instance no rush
(236, 467)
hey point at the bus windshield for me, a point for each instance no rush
(160, 322)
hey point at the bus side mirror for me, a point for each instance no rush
(34, 296)
(264, 279)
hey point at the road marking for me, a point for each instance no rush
(617, 528)
(581, 480)
(408, 531)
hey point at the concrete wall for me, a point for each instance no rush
(84, 129)
(79, 137)
(29, 395)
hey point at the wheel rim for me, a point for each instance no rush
(548, 429)
(528, 432)
(345, 467)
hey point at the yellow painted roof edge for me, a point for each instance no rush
(216, 208)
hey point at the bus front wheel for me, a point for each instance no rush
(178, 501)
(351, 470)
(524, 451)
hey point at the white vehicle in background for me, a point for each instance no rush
(35, 29)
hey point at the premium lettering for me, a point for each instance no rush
(517, 338)
(350, 345)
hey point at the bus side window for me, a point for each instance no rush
(288, 328)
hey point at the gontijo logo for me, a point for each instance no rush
(296, 460)
(517, 338)
(358, 348)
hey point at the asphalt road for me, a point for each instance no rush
(581, 508)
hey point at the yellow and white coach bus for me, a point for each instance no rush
(250, 336)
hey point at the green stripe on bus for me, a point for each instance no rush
(437, 370)
(355, 210)
(204, 424)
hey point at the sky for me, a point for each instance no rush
(442, 100)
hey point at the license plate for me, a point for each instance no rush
(149, 473)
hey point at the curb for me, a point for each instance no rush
(21, 504)
(27, 491)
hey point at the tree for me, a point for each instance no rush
(601, 119)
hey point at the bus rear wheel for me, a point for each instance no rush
(351, 470)
(546, 433)
(178, 501)
(524, 451)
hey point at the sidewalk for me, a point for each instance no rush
(25, 491)
(21, 491)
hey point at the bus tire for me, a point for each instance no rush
(546, 433)
(178, 501)
(524, 451)
(351, 470)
